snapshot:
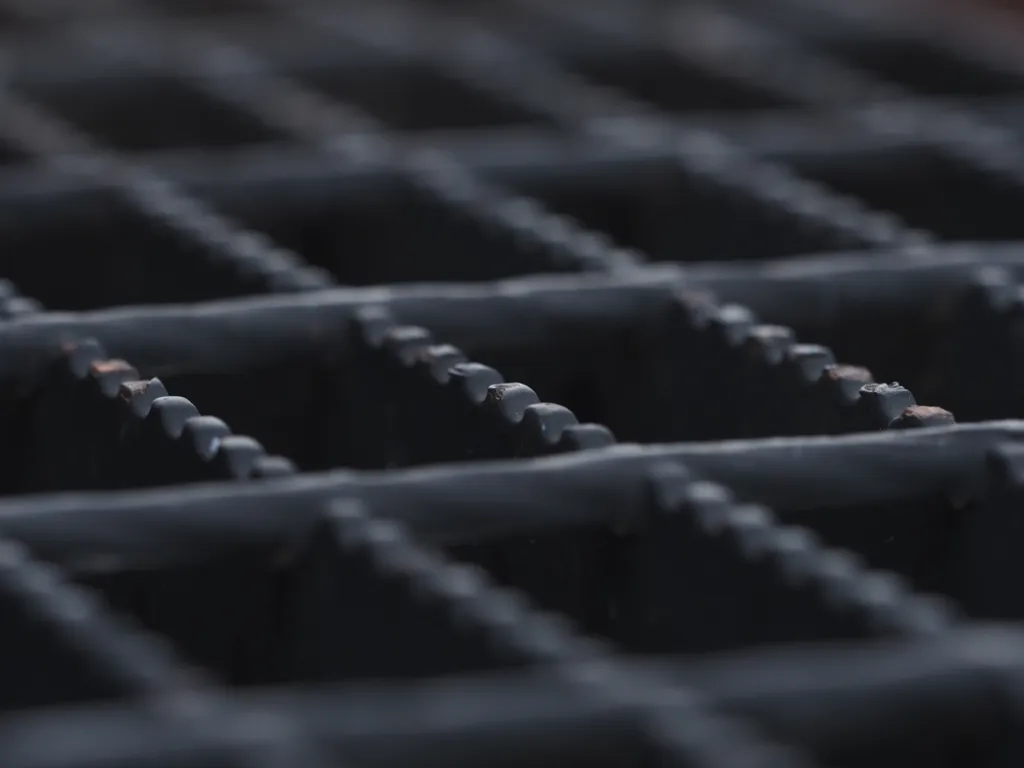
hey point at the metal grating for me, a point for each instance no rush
(439, 385)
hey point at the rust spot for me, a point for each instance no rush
(100, 367)
(130, 389)
(849, 373)
(927, 413)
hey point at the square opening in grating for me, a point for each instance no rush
(14, 23)
(229, 615)
(91, 249)
(671, 84)
(310, 611)
(149, 113)
(413, 97)
(371, 232)
(927, 69)
(928, 190)
(670, 216)
(9, 155)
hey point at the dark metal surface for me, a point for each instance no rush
(439, 384)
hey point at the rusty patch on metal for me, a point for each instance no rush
(129, 389)
(849, 373)
(926, 413)
(101, 367)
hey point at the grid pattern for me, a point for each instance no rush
(533, 384)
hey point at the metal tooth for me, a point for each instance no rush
(254, 247)
(404, 343)
(473, 380)
(542, 424)
(437, 360)
(511, 626)
(463, 593)
(298, 280)
(13, 555)
(540, 637)
(881, 403)
(273, 466)
(139, 395)
(922, 416)
(696, 307)
(836, 574)
(809, 361)
(432, 582)
(926, 615)
(671, 486)
(794, 553)
(237, 456)
(204, 434)
(593, 248)
(430, 165)
(171, 413)
(108, 375)
(709, 504)
(585, 437)
(882, 597)
(993, 288)
(502, 611)
(350, 524)
(311, 278)
(751, 529)
(769, 343)
(733, 323)
(19, 306)
(186, 213)
(1005, 465)
(846, 381)
(752, 532)
(1014, 306)
(518, 212)
(371, 324)
(460, 193)
(388, 546)
(272, 257)
(623, 260)
(556, 231)
(451, 586)
(79, 355)
(509, 401)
